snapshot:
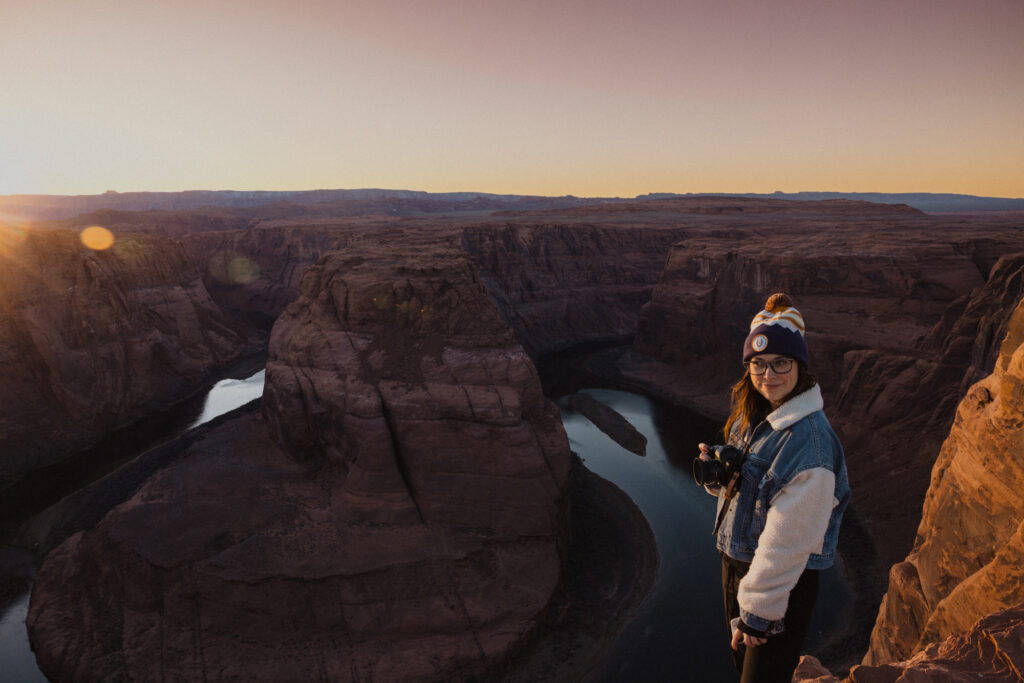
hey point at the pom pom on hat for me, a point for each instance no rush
(778, 329)
(778, 310)
(778, 301)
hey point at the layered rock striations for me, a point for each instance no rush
(397, 512)
(968, 556)
(557, 284)
(418, 377)
(563, 284)
(583, 274)
(991, 650)
(896, 406)
(955, 607)
(256, 272)
(893, 319)
(393, 372)
(92, 340)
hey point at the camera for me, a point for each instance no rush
(726, 461)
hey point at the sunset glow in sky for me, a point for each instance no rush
(584, 97)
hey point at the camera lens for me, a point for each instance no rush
(706, 472)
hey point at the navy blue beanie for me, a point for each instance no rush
(778, 329)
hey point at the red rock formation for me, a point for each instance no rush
(897, 321)
(410, 527)
(556, 284)
(991, 650)
(92, 340)
(257, 271)
(873, 279)
(871, 292)
(899, 404)
(415, 375)
(968, 558)
(563, 284)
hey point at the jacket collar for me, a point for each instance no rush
(796, 408)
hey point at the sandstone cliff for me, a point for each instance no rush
(563, 284)
(991, 650)
(411, 364)
(893, 316)
(257, 271)
(968, 557)
(557, 284)
(398, 513)
(90, 341)
(902, 308)
(894, 406)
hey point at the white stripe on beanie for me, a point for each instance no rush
(788, 318)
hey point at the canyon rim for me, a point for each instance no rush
(404, 421)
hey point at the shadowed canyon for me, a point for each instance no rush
(403, 504)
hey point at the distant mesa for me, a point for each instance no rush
(40, 207)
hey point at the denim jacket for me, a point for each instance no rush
(793, 447)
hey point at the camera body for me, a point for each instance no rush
(726, 461)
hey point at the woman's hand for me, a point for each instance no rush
(705, 451)
(739, 636)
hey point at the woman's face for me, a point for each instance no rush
(771, 385)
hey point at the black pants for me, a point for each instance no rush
(776, 659)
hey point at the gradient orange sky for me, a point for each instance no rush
(592, 98)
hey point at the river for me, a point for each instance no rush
(679, 632)
(18, 566)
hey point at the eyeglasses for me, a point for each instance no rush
(780, 366)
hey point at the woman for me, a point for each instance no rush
(779, 523)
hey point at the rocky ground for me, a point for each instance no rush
(399, 510)
(904, 313)
(611, 566)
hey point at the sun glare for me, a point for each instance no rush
(11, 235)
(97, 238)
(233, 268)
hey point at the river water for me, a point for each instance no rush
(679, 633)
(18, 566)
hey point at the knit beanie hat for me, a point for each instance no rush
(778, 329)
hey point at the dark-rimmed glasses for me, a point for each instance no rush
(780, 366)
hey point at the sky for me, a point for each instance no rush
(550, 97)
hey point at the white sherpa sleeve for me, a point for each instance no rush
(795, 527)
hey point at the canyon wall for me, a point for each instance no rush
(93, 340)
(895, 407)
(968, 557)
(557, 284)
(396, 362)
(256, 272)
(955, 607)
(892, 326)
(397, 512)
(991, 650)
(416, 368)
(563, 284)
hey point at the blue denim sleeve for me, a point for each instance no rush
(756, 626)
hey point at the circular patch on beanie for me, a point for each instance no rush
(759, 343)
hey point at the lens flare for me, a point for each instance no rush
(233, 268)
(11, 235)
(97, 238)
(242, 270)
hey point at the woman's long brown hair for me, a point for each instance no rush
(749, 408)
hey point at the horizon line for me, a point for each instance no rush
(509, 194)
